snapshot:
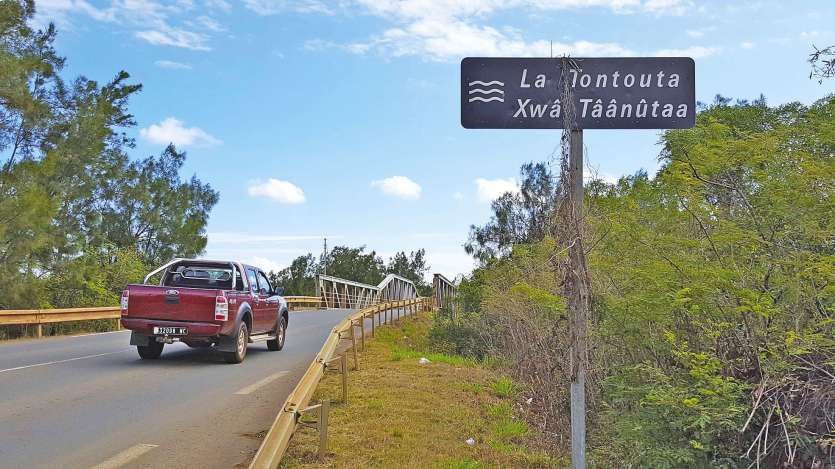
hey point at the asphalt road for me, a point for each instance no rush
(89, 401)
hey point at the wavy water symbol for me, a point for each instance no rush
(487, 91)
(487, 100)
(489, 83)
(479, 90)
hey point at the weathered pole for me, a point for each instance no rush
(577, 291)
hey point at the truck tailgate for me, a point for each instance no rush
(172, 304)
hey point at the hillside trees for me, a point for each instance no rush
(713, 301)
(73, 205)
(352, 264)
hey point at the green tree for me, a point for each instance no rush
(299, 278)
(413, 267)
(518, 218)
(355, 264)
(149, 208)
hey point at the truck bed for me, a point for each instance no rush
(172, 304)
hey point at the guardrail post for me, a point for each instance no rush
(362, 332)
(323, 428)
(354, 347)
(40, 331)
(373, 313)
(343, 364)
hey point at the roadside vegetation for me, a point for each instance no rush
(713, 302)
(405, 414)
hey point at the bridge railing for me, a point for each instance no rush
(338, 292)
(289, 417)
(445, 293)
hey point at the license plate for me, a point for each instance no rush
(171, 330)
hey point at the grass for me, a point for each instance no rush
(399, 353)
(406, 415)
(504, 387)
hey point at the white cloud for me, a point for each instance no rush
(450, 39)
(59, 11)
(398, 186)
(696, 52)
(157, 23)
(458, 196)
(209, 23)
(172, 65)
(449, 29)
(281, 191)
(274, 7)
(219, 4)
(174, 37)
(669, 7)
(172, 130)
(747, 45)
(265, 264)
(489, 190)
(695, 33)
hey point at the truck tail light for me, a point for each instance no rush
(221, 308)
(124, 303)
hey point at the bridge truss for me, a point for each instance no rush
(338, 292)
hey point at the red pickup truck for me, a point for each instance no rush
(205, 303)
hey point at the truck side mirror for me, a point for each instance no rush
(279, 291)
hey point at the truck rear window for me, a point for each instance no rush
(202, 276)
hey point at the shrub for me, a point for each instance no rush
(458, 337)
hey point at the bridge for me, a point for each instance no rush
(89, 401)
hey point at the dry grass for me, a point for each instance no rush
(403, 414)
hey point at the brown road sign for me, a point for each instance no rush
(608, 93)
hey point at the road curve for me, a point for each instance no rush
(89, 401)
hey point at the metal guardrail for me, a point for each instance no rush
(23, 317)
(13, 317)
(299, 302)
(289, 417)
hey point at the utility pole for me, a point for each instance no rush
(325, 259)
(577, 291)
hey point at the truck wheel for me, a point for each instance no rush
(280, 332)
(241, 340)
(151, 351)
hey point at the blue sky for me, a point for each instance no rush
(340, 118)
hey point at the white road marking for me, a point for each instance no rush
(258, 384)
(63, 361)
(125, 456)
